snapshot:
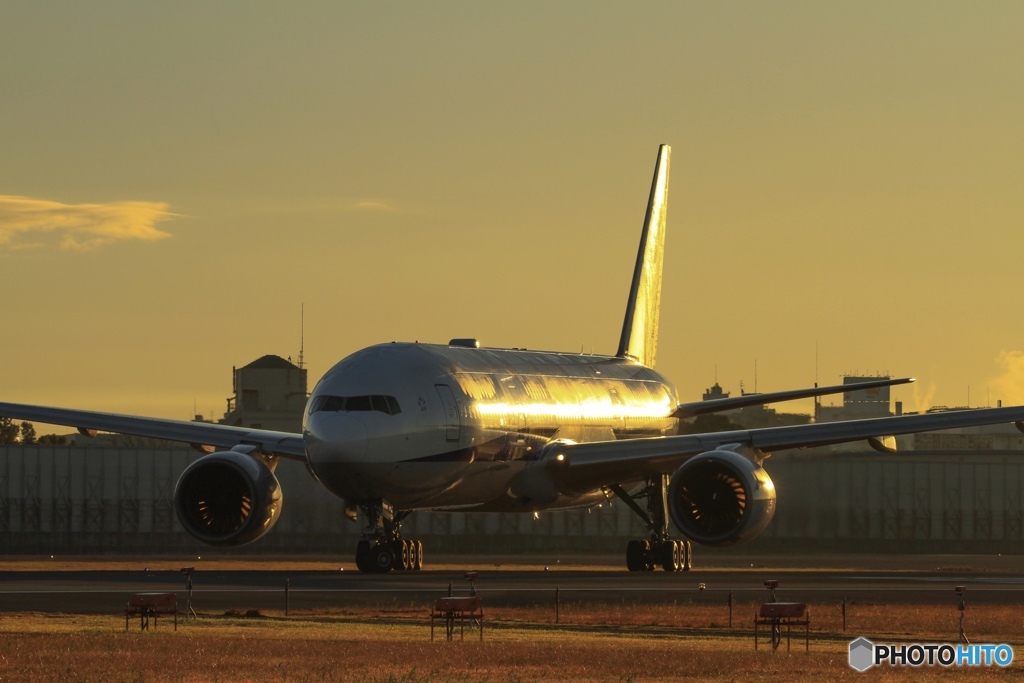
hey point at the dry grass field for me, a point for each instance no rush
(592, 643)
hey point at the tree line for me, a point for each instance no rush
(24, 434)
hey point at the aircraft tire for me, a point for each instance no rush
(401, 550)
(363, 556)
(665, 554)
(382, 558)
(687, 555)
(635, 556)
(669, 551)
(412, 555)
(419, 555)
(650, 556)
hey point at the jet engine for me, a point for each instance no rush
(227, 498)
(721, 498)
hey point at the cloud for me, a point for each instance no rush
(923, 397)
(1009, 385)
(30, 223)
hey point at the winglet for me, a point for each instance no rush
(639, 339)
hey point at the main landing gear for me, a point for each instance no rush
(383, 548)
(659, 550)
(383, 556)
(670, 555)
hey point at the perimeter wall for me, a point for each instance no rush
(72, 500)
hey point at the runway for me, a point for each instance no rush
(220, 586)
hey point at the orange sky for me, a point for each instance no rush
(176, 180)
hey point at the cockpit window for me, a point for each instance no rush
(348, 404)
(332, 403)
(354, 403)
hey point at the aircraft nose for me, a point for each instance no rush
(332, 436)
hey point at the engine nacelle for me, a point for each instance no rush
(721, 498)
(227, 498)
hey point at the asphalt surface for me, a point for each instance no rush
(884, 579)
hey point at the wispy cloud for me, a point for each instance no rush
(27, 223)
(1009, 385)
(923, 396)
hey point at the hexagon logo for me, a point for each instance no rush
(862, 654)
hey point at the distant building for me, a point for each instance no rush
(868, 403)
(997, 437)
(755, 417)
(761, 416)
(270, 393)
(858, 405)
(715, 392)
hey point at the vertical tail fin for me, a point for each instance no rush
(639, 339)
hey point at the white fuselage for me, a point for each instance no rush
(426, 426)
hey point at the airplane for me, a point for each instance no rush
(401, 427)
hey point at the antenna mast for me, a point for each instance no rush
(302, 333)
(817, 399)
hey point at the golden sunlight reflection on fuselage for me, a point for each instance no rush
(553, 401)
(587, 410)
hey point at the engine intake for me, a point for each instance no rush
(227, 499)
(721, 498)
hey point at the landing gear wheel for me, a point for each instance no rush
(412, 555)
(687, 556)
(382, 558)
(636, 552)
(650, 557)
(402, 555)
(418, 560)
(669, 552)
(363, 556)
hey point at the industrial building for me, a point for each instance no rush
(269, 393)
(858, 405)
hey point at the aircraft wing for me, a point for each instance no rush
(202, 436)
(717, 405)
(587, 466)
